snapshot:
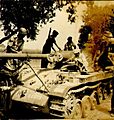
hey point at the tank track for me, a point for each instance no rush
(57, 107)
(60, 109)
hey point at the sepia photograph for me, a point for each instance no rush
(56, 59)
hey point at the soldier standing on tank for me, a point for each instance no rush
(70, 44)
(47, 47)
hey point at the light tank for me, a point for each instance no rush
(61, 91)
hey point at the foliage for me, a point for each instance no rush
(25, 13)
(31, 14)
(99, 19)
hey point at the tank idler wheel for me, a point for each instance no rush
(93, 100)
(86, 106)
(78, 110)
(70, 105)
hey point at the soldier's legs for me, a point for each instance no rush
(44, 63)
(112, 99)
(5, 96)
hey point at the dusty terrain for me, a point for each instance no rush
(101, 112)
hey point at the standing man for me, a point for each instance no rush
(11, 66)
(47, 47)
(69, 45)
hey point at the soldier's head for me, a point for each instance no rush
(69, 39)
(55, 33)
(22, 32)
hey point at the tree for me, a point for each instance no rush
(100, 19)
(30, 14)
(25, 13)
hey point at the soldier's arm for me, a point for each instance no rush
(11, 46)
(53, 48)
(13, 49)
(74, 45)
(65, 47)
(70, 59)
(57, 46)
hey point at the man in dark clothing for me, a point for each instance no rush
(69, 45)
(47, 47)
(103, 60)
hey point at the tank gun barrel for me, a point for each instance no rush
(65, 54)
(23, 55)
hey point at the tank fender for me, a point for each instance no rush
(32, 97)
(61, 90)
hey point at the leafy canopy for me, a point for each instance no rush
(31, 14)
(100, 19)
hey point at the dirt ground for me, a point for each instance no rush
(101, 112)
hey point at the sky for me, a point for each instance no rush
(62, 25)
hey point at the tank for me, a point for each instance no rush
(61, 90)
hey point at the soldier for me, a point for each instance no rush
(47, 47)
(16, 43)
(69, 45)
(10, 67)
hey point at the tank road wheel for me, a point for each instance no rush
(78, 110)
(86, 106)
(70, 105)
(93, 100)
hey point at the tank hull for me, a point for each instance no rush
(60, 85)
